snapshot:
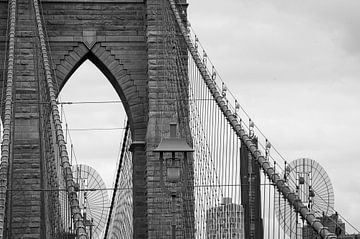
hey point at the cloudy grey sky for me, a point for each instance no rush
(293, 65)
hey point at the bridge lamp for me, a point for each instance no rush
(173, 169)
(173, 145)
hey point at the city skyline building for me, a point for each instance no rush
(225, 221)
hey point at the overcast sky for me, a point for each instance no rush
(293, 65)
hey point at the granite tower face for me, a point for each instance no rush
(128, 41)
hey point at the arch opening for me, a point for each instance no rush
(94, 119)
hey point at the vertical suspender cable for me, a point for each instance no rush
(228, 166)
(234, 158)
(284, 217)
(266, 166)
(273, 211)
(269, 206)
(279, 214)
(263, 196)
(223, 154)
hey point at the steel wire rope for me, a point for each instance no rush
(122, 145)
(199, 136)
(354, 228)
(217, 146)
(90, 102)
(205, 176)
(127, 185)
(96, 129)
(196, 167)
(230, 167)
(76, 215)
(70, 139)
(219, 76)
(225, 153)
(238, 150)
(182, 92)
(324, 200)
(288, 215)
(263, 194)
(198, 77)
(45, 109)
(8, 114)
(195, 155)
(269, 210)
(207, 147)
(234, 156)
(127, 188)
(275, 172)
(284, 216)
(179, 23)
(279, 226)
(208, 124)
(213, 179)
(233, 167)
(297, 221)
(274, 198)
(291, 222)
(228, 163)
(213, 132)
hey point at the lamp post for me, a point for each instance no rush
(169, 147)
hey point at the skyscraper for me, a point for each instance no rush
(225, 221)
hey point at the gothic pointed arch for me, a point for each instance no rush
(131, 91)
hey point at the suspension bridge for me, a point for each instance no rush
(193, 163)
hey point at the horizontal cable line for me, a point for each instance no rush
(89, 102)
(96, 129)
(29, 102)
(103, 102)
(117, 102)
(85, 129)
(120, 189)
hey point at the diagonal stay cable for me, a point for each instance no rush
(8, 115)
(74, 203)
(290, 196)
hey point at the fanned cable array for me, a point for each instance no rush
(120, 221)
(34, 149)
(73, 202)
(235, 184)
(209, 186)
(204, 120)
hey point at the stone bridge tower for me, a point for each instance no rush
(125, 39)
